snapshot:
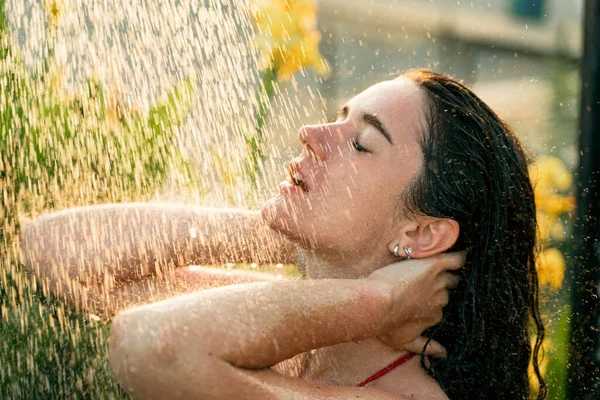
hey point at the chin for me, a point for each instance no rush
(316, 227)
(277, 215)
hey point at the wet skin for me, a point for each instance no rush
(346, 217)
(355, 170)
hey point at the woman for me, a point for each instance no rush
(411, 168)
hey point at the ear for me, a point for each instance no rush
(426, 236)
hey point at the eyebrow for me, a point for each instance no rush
(372, 120)
(376, 123)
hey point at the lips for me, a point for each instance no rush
(296, 177)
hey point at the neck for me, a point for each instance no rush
(348, 363)
(329, 265)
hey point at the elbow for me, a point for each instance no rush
(36, 256)
(140, 355)
(36, 260)
(28, 257)
(121, 362)
(41, 256)
(130, 353)
(150, 358)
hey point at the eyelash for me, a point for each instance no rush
(358, 147)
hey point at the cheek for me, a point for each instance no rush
(360, 187)
(364, 208)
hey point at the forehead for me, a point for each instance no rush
(399, 104)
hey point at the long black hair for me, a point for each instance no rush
(475, 172)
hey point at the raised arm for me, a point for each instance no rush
(187, 346)
(91, 251)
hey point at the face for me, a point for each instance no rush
(343, 191)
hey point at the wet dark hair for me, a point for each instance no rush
(475, 172)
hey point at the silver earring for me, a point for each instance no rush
(395, 251)
(408, 251)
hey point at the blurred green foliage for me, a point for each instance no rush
(58, 150)
(558, 335)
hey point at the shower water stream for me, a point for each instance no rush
(108, 102)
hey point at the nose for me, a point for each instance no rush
(315, 137)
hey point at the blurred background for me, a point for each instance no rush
(182, 100)
(520, 56)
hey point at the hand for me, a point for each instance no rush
(419, 291)
(433, 349)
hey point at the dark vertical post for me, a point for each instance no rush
(584, 348)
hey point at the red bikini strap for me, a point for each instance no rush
(387, 369)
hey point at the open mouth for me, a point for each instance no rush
(296, 178)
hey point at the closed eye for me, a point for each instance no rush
(357, 146)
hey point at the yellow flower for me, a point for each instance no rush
(53, 10)
(557, 232)
(287, 36)
(550, 266)
(556, 204)
(549, 176)
(551, 171)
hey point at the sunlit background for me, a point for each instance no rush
(201, 101)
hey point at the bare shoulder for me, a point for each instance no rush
(414, 386)
(269, 384)
(413, 382)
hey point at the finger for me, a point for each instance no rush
(452, 280)
(398, 338)
(416, 345)
(449, 280)
(451, 261)
(437, 317)
(434, 348)
(443, 298)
